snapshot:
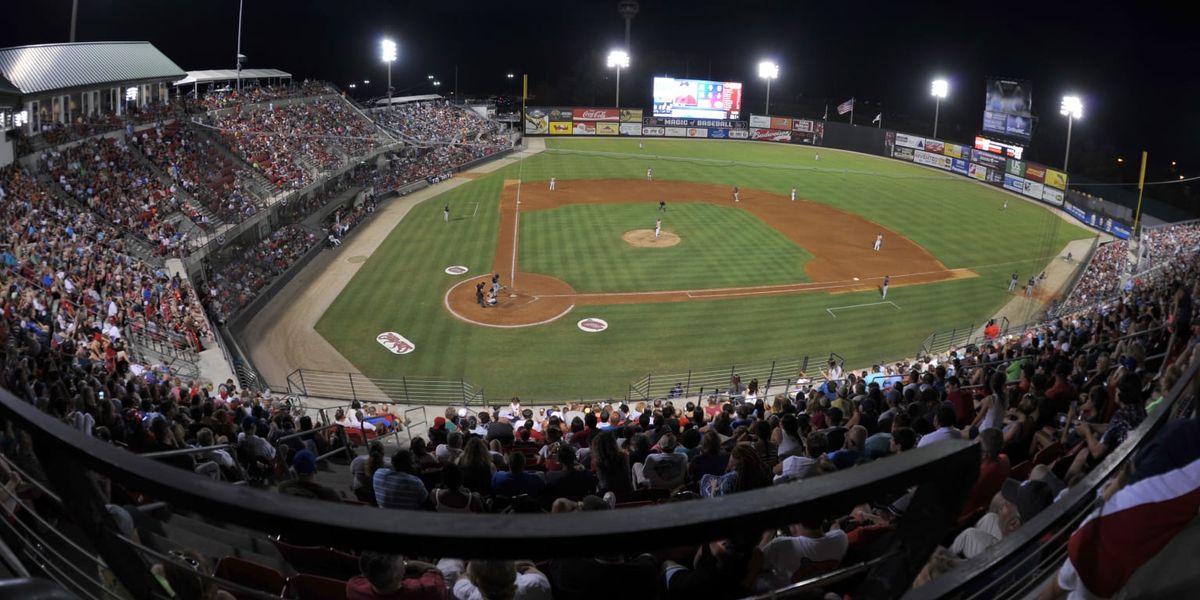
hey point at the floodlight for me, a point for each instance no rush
(387, 50)
(940, 88)
(1072, 106)
(768, 70)
(618, 59)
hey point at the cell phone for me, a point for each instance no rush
(1062, 419)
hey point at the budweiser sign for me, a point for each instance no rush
(395, 343)
(597, 114)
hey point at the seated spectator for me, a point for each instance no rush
(450, 451)
(451, 496)
(305, 464)
(746, 471)
(720, 570)
(1129, 414)
(851, 451)
(477, 466)
(362, 472)
(398, 486)
(570, 480)
(498, 580)
(795, 468)
(712, 460)
(1017, 503)
(610, 464)
(391, 577)
(502, 430)
(944, 420)
(603, 577)
(517, 481)
(807, 543)
(993, 471)
(662, 470)
(256, 446)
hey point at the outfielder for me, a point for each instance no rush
(793, 194)
(446, 213)
(878, 242)
(1005, 207)
(657, 228)
(887, 280)
(552, 182)
(735, 194)
(649, 174)
(1012, 283)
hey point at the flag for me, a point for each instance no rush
(878, 118)
(826, 117)
(846, 106)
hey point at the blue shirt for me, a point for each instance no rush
(843, 459)
(505, 483)
(395, 489)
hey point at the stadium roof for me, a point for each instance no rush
(59, 67)
(9, 94)
(406, 99)
(211, 75)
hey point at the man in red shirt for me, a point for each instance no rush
(1062, 393)
(993, 470)
(390, 577)
(964, 405)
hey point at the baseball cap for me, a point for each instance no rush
(439, 422)
(1030, 497)
(305, 462)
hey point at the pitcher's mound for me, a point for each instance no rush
(644, 238)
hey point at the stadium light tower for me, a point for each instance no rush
(939, 89)
(387, 49)
(620, 60)
(1072, 108)
(768, 70)
(628, 9)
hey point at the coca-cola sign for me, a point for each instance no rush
(597, 114)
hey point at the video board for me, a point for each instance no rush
(1006, 111)
(697, 98)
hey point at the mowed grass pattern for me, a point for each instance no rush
(401, 287)
(719, 247)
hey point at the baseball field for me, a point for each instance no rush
(760, 278)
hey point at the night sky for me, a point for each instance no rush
(1133, 63)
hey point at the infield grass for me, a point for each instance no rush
(401, 286)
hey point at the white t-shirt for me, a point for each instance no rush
(945, 433)
(531, 585)
(783, 555)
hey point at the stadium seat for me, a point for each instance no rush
(1049, 454)
(248, 574)
(318, 560)
(313, 587)
(1021, 471)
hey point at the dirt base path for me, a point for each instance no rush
(840, 242)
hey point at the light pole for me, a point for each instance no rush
(768, 70)
(1072, 108)
(618, 59)
(939, 89)
(387, 50)
(239, 44)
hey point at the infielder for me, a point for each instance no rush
(1029, 287)
(793, 194)
(552, 182)
(735, 194)
(662, 206)
(446, 213)
(878, 242)
(657, 228)
(887, 280)
(649, 174)
(1012, 283)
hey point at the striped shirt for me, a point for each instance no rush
(395, 489)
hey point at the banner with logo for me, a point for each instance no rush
(608, 128)
(677, 122)
(697, 132)
(1015, 167)
(1052, 195)
(1033, 189)
(994, 176)
(560, 114)
(802, 125)
(596, 114)
(903, 153)
(584, 128)
(935, 146)
(1035, 172)
(910, 141)
(1117, 229)
(677, 132)
(922, 157)
(760, 121)
(770, 135)
(977, 171)
(631, 115)
(718, 134)
(561, 127)
(1056, 179)
(1013, 183)
(956, 151)
(987, 159)
(959, 166)
(537, 122)
(781, 123)
(739, 134)
(1076, 212)
(631, 128)
(654, 131)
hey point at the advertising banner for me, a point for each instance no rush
(1056, 179)
(608, 128)
(697, 132)
(537, 121)
(739, 134)
(560, 114)
(1014, 183)
(656, 131)
(956, 151)
(959, 166)
(935, 146)
(987, 159)
(781, 123)
(770, 135)
(1035, 172)
(1116, 229)
(1076, 212)
(1033, 189)
(1015, 167)
(584, 128)
(1052, 195)
(596, 114)
(994, 176)
(631, 128)
(760, 121)
(560, 127)
(902, 153)
(718, 134)
(977, 171)
(631, 115)
(910, 141)
(922, 157)
(802, 125)
(674, 122)
(677, 132)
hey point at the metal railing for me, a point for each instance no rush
(405, 390)
(717, 380)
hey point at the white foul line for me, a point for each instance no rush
(830, 310)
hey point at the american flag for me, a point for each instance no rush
(846, 106)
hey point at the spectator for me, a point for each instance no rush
(517, 481)
(398, 486)
(451, 496)
(712, 460)
(851, 451)
(501, 580)
(477, 467)
(720, 569)
(794, 468)
(993, 471)
(807, 543)
(305, 464)
(1018, 502)
(603, 577)
(571, 480)
(610, 464)
(391, 577)
(663, 470)
(746, 471)
(944, 421)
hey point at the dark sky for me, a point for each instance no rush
(1133, 62)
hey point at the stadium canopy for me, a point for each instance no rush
(407, 99)
(213, 75)
(10, 96)
(53, 69)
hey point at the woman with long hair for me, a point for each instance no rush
(746, 471)
(991, 409)
(790, 441)
(611, 464)
(477, 467)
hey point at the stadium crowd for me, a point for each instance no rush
(202, 170)
(253, 94)
(432, 121)
(1101, 278)
(240, 280)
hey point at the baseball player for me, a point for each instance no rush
(657, 228)
(552, 182)
(662, 206)
(887, 280)
(1029, 287)
(639, 145)
(735, 194)
(1012, 283)
(446, 213)
(496, 284)
(793, 194)
(817, 157)
(878, 242)
(649, 174)
(1005, 207)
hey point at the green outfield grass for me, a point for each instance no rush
(401, 287)
(720, 247)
